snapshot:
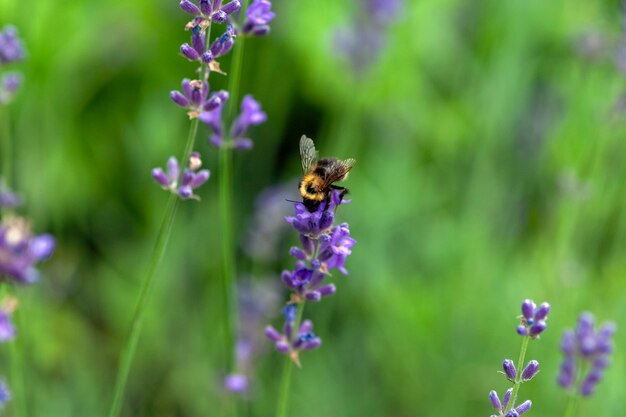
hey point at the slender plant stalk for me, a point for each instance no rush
(572, 403)
(7, 146)
(17, 368)
(146, 287)
(229, 289)
(17, 347)
(518, 377)
(285, 381)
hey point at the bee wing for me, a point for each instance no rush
(308, 153)
(339, 170)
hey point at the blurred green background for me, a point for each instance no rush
(491, 156)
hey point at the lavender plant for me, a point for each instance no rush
(532, 324)
(202, 105)
(323, 248)
(20, 249)
(587, 353)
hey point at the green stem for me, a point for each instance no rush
(162, 239)
(285, 382)
(17, 370)
(7, 146)
(572, 403)
(228, 254)
(518, 378)
(229, 289)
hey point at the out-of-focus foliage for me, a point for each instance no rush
(491, 146)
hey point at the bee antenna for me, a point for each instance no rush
(291, 201)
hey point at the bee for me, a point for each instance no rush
(320, 175)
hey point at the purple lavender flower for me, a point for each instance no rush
(258, 16)
(11, 49)
(20, 251)
(195, 97)
(5, 394)
(196, 51)
(533, 319)
(251, 115)
(191, 177)
(8, 198)
(209, 11)
(9, 84)
(586, 345)
(7, 330)
(236, 383)
(364, 38)
(257, 299)
(530, 371)
(224, 43)
(509, 370)
(289, 343)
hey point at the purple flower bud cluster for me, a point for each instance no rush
(502, 406)
(207, 12)
(533, 319)
(258, 16)
(365, 36)
(324, 247)
(584, 345)
(192, 177)
(20, 251)
(257, 299)
(291, 342)
(533, 323)
(528, 373)
(251, 115)
(11, 50)
(195, 97)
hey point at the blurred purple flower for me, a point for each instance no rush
(7, 330)
(5, 394)
(191, 177)
(258, 16)
(20, 251)
(195, 97)
(251, 115)
(11, 49)
(584, 345)
(257, 299)
(9, 84)
(364, 37)
(8, 198)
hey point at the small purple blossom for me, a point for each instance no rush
(196, 51)
(586, 345)
(7, 330)
(251, 115)
(509, 370)
(224, 43)
(289, 343)
(207, 11)
(258, 16)
(8, 198)
(11, 49)
(20, 251)
(5, 394)
(9, 84)
(191, 178)
(236, 383)
(195, 97)
(530, 370)
(533, 319)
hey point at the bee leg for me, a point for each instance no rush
(343, 191)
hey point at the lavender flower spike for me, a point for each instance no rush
(289, 343)
(195, 97)
(192, 177)
(11, 49)
(533, 319)
(586, 345)
(258, 16)
(20, 251)
(9, 84)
